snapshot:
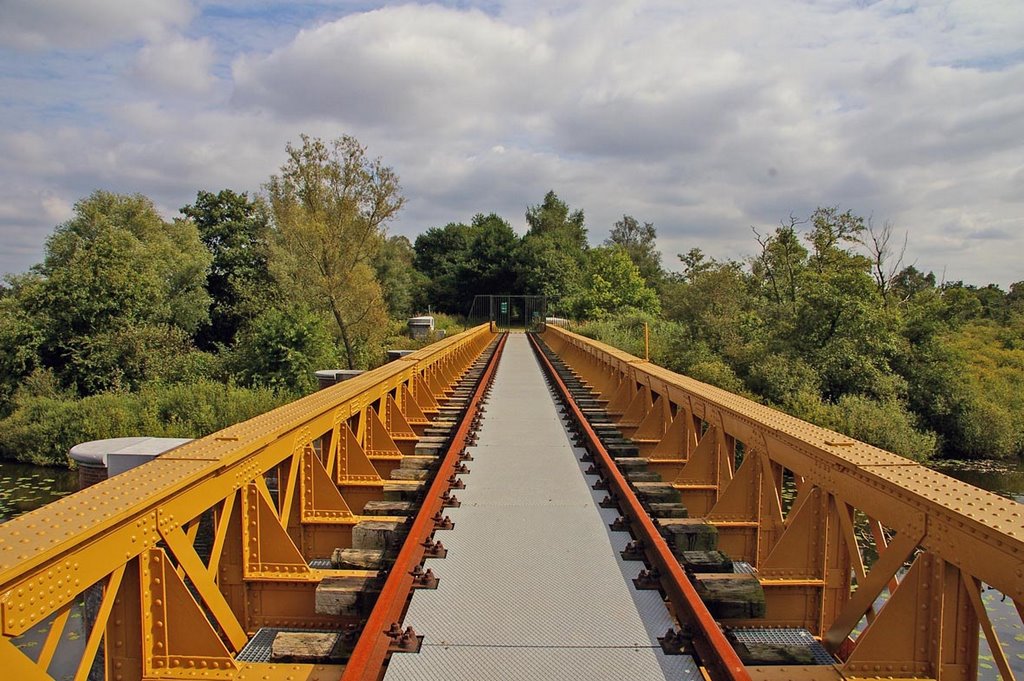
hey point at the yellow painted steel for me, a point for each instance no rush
(938, 538)
(133, 536)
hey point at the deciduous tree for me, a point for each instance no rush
(331, 204)
(638, 240)
(235, 229)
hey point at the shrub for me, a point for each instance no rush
(42, 429)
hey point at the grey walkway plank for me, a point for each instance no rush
(533, 586)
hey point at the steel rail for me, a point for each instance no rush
(371, 650)
(714, 649)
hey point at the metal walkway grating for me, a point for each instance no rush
(533, 586)
(258, 647)
(791, 637)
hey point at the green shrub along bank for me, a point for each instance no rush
(42, 428)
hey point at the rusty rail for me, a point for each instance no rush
(715, 651)
(371, 650)
(133, 536)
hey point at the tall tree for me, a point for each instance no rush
(638, 240)
(118, 294)
(553, 219)
(235, 229)
(553, 254)
(331, 204)
(611, 284)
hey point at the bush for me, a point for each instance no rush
(777, 378)
(887, 425)
(42, 429)
(282, 349)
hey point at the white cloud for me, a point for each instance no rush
(79, 24)
(704, 118)
(406, 68)
(176, 65)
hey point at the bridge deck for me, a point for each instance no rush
(533, 581)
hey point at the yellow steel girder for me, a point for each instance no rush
(133, 535)
(808, 556)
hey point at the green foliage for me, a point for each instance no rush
(553, 220)
(115, 301)
(20, 340)
(399, 281)
(611, 284)
(987, 411)
(268, 291)
(117, 262)
(235, 229)
(804, 327)
(638, 240)
(42, 429)
(884, 424)
(548, 269)
(440, 255)
(553, 252)
(461, 261)
(330, 206)
(777, 377)
(282, 348)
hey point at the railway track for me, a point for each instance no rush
(544, 562)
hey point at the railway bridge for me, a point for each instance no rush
(511, 505)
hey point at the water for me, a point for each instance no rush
(24, 487)
(1001, 477)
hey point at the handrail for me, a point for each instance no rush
(371, 649)
(937, 539)
(978, 531)
(70, 544)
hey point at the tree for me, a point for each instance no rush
(638, 240)
(21, 336)
(829, 230)
(553, 253)
(331, 204)
(118, 295)
(611, 284)
(462, 261)
(235, 230)
(780, 264)
(282, 348)
(492, 257)
(694, 264)
(440, 254)
(399, 281)
(885, 262)
(552, 219)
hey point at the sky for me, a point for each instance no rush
(705, 118)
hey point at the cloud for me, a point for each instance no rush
(705, 118)
(408, 68)
(83, 24)
(176, 65)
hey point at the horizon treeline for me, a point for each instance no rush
(133, 324)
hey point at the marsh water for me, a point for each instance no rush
(24, 487)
